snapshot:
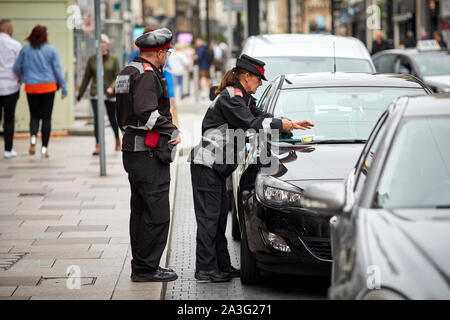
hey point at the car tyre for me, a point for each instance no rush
(249, 270)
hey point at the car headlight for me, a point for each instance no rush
(443, 90)
(277, 193)
(382, 294)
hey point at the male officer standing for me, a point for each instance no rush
(143, 113)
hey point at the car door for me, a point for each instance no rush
(343, 227)
(248, 151)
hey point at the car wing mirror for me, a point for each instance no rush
(327, 198)
(212, 92)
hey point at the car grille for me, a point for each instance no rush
(320, 247)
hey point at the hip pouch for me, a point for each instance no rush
(164, 149)
(224, 170)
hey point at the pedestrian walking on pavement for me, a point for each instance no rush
(379, 43)
(143, 113)
(205, 57)
(234, 108)
(9, 84)
(410, 41)
(40, 68)
(178, 65)
(111, 69)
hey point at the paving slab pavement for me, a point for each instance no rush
(59, 214)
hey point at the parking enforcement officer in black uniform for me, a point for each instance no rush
(143, 114)
(233, 108)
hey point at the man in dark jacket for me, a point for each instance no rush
(143, 113)
(379, 44)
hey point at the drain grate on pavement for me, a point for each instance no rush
(32, 194)
(62, 281)
(7, 260)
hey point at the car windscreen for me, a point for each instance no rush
(433, 64)
(338, 113)
(417, 170)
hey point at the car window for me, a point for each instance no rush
(417, 170)
(345, 113)
(370, 153)
(385, 63)
(433, 64)
(262, 101)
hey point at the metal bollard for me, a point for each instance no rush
(196, 83)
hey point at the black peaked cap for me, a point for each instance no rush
(158, 39)
(252, 65)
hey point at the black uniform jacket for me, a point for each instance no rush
(142, 104)
(232, 109)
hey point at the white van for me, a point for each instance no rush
(305, 53)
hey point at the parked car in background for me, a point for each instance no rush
(427, 62)
(390, 230)
(277, 234)
(305, 53)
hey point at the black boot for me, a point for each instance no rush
(159, 275)
(213, 276)
(234, 273)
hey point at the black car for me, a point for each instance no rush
(426, 62)
(390, 230)
(277, 234)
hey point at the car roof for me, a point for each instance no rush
(305, 45)
(434, 105)
(354, 79)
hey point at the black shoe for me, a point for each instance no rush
(160, 275)
(234, 273)
(213, 276)
(166, 269)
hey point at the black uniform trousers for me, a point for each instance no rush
(149, 220)
(8, 104)
(211, 211)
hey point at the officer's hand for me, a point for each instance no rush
(303, 125)
(287, 124)
(62, 96)
(110, 90)
(175, 141)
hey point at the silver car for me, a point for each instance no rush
(390, 227)
(307, 53)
